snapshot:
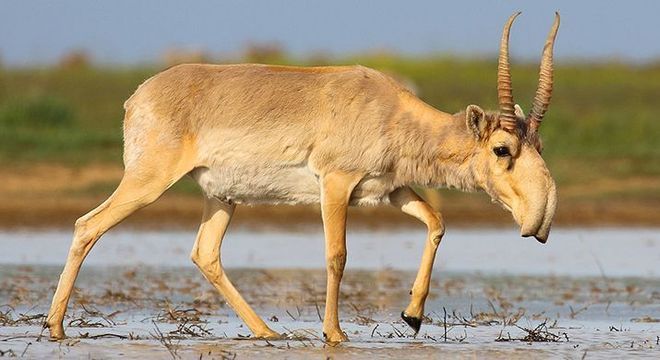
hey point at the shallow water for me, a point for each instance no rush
(574, 252)
(597, 291)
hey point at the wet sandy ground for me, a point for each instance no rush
(137, 310)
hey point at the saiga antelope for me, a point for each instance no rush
(337, 136)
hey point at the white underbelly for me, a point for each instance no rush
(259, 185)
(280, 185)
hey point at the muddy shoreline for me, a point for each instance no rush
(54, 196)
(181, 211)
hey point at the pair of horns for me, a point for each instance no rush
(544, 90)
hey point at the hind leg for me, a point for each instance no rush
(134, 192)
(206, 255)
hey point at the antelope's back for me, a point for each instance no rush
(261, 106)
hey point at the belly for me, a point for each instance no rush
(281, 185)
(259, 185)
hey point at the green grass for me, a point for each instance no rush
(602, 121)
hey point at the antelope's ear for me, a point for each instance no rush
(476, 121)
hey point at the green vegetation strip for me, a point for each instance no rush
(602, 121)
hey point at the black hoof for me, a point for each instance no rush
(413, 322)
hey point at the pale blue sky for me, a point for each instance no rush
(132, 31)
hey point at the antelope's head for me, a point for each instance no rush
(507, 161)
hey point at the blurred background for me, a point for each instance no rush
(66, 68)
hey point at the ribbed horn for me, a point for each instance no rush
(504, 92)
(544, 90)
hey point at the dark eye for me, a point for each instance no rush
(501, 151)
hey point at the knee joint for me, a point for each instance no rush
(81, 237)
(208, 266)
(80, 222)
(336, 263)
(436, 230)
(80, 227)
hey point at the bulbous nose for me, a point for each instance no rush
(550, 208)
(539, 228)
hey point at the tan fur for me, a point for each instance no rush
(411, 204)
(206, 255)
(338, 136)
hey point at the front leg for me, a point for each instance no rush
(336, 189)
(411, 204)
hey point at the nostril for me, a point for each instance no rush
(529, 229)
(541, 239)
(526, 234)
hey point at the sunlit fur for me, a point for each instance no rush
(337, 136)
(265, 134)
(520, 182)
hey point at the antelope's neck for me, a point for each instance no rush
(434, 148)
